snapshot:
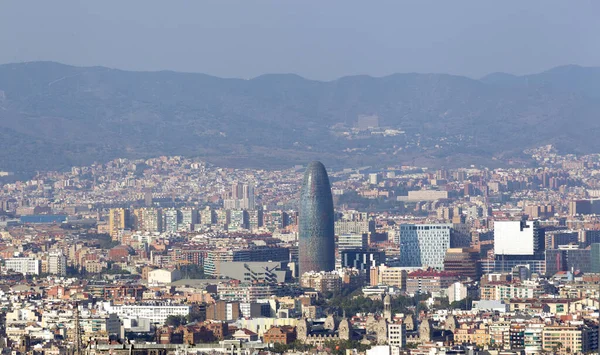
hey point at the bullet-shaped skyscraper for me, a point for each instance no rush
(316, 245)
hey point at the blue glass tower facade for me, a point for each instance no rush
(316, 245)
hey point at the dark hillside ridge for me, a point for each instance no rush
(53, 116)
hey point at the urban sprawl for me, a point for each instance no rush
(173, 255)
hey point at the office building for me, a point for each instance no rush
(245, 292)
(502, 264)
(316, 231)
(25, 266)
(424, 245)
(554, 239)
(589, 237)
(215, 258)
(155, 312)
(463, 261)
(584, 207)
(518, 238)
(568, 258)
(362, 260)
(267, 272)
(353, 227)
(595, 258)
(353, 242)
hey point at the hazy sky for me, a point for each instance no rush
(316, 39)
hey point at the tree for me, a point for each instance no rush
(279, 348)
(339, 347)
(192, 271)
(465, 304)
(299, 346)
(411, 345)
(195, 316)
(175, 321)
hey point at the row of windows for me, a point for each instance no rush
(424, 227)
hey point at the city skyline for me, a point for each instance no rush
(283, 177)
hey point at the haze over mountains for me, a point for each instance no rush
(53, 116)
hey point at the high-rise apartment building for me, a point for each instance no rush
(238, 220)
(274, 220)
(208, 216)
(255, 219)
(148, 220)
(189, 218)
(316, 230)
(247, 197)
(171, 220)
(118, 220)
(57, 264)
(240, 197)
(223, 217)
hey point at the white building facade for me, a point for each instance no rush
(156, 313)
(25, 266)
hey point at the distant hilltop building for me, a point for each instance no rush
(424, 195)
(366, 122)
(316, 229)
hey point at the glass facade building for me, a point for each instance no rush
(316, 242)
(424, 245)
(595, 258)
(568, 260)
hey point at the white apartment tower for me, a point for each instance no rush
(57, 264)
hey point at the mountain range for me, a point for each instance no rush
(53, 116)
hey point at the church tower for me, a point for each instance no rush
(387, 308)
(345, 330)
